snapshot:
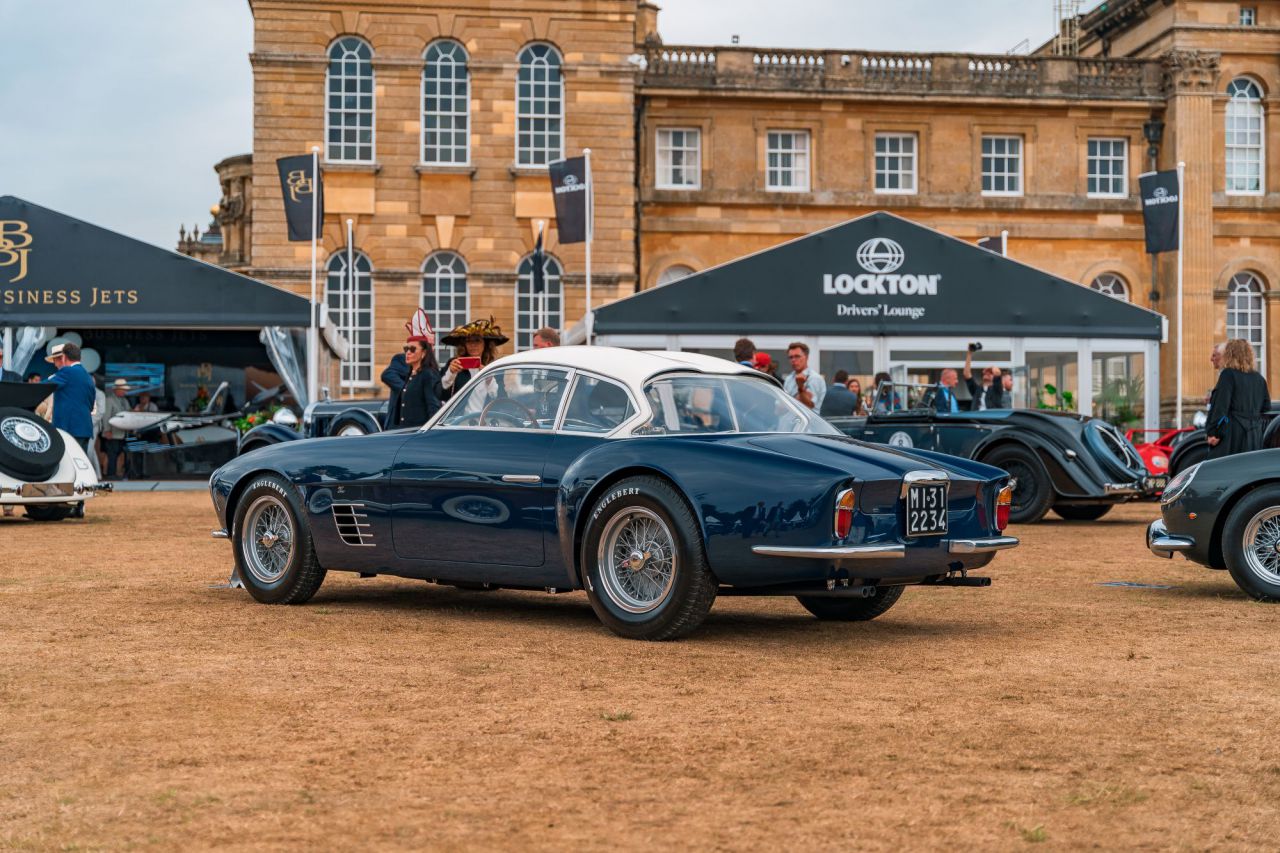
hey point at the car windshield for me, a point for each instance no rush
(903, 397)
(687, 405)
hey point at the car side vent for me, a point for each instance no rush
(353, 525)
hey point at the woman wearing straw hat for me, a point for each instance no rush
(477, 346)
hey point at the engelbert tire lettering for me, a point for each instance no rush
(610, 498)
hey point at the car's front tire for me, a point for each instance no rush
(274, 554)
(1251, 543)
(851, 609)
(644, 563)
(1033, 493)
(1085, 512)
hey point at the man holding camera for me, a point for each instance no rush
(995, 392)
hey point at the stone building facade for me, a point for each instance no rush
(705, 153)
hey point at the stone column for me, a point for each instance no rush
(1190, 77)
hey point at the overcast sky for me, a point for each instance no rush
(116, 113)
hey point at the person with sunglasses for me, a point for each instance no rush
(419, 399)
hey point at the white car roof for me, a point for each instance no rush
(631, 367)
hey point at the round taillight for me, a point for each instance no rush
(844, 514)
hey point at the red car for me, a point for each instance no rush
(1156, 453)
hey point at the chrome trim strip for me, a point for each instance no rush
(981, 546)
(220, 534)
(1121, 488)
(842, 552)
(521, 478)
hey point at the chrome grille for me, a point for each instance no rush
(353, 525)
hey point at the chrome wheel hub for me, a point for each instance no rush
(267, 537)
(1262, 545)
(637, 559)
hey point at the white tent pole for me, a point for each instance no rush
(1004, 244)
(313, 331)
(1182, 204)
(349, 294)
(591, 228)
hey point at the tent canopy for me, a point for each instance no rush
(60, 271)
(878, 274)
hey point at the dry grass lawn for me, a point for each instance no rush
(141, 708)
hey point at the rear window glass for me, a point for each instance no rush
(689, 405)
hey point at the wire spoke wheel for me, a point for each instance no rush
(637, 558)
(1262, 545)
(267, 539)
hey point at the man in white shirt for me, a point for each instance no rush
(804, 384)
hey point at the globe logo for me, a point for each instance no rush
(570, 180)
(1160, 192)
(880, 255)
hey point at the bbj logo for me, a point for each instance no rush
(299, 184)
(15, 245)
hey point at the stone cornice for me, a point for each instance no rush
(1188, 72)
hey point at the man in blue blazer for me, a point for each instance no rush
(75, 395)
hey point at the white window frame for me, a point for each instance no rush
(346, 316)
(1248, 16)
(347, 112)
(1092, 160)
(535, 57)
(432, 73)
(800, 160)
(1248, 286)
(900, 155)
(437, 267)
(1009, 139)
(665, 169)
(531, 320)
(1112, 284)
(1235, 104)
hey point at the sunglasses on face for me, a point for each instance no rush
(412, 349)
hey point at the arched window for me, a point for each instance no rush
(446, 105)
(1246, 153)
(539, 107)
(675, 272)
(1246, 314)
(444, 296)
(349, 294)
(1112, 285)
(535, 310)
(349, 113)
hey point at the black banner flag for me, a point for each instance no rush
(539, 261)
(1160, 199)
(301, 189)
(569, 188)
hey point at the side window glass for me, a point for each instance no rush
(688, 406)
(597, 405)
(516, 398)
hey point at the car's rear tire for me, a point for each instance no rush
(644, 563)
(30, 448)
(1183, 461)
(49, 512)
(1251, 543)
(1082, 512)
(1033, 493)
(274, 554)
(851, 609)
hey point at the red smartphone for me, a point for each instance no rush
(468, 362)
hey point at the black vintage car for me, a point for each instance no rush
(1075, 465)
(321, 419)
(1225, 514)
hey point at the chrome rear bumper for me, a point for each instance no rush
(887, 551)
(1162, 544)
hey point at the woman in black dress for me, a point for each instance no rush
(1240, 398)
(413, 405)
(478, 339)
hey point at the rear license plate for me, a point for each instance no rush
(926, 510)
(47, 490)
(1155, 484)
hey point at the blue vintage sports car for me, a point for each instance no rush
(654, 481)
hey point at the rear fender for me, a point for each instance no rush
(266, 434)
(1078, 477)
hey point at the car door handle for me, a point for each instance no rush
(521, 478)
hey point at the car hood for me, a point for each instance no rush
(850, 454)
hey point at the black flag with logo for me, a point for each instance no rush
(301, 189)
(570, 189)
(1160, 199)
(992, 244)
(539, 261)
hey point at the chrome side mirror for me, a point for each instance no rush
(1199, 419)
(286, 418)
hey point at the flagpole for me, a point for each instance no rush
(1004, 243)
(591, 227)
(1182, 203)
(313, 331)
(349, 293)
